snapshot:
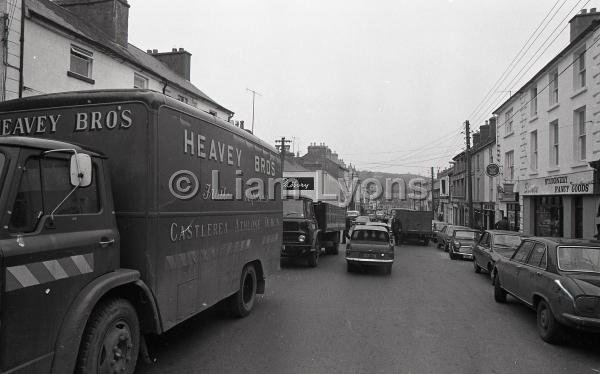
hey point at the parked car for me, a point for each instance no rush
(362, 220)
(442, 235)
(493, 244)
(461, 242)
(371, 246)
(557, 277)
(437, 226)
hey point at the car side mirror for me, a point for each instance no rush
(81, 170)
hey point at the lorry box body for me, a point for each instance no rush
(183, 214)
(330, 217)
(416, 224)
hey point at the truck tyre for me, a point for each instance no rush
(111, 339)
(499, 292)
(242, 302)
(551, 331)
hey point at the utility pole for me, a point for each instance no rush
(432, 196)
(282, 146)
(469, 174)
(254, 93)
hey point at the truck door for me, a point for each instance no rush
(47, 261)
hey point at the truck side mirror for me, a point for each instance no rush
(81, 170)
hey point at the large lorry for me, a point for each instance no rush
(415, 225)
(314, 215)
(124, 215)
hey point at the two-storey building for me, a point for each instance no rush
(484, 186)
(547, 136)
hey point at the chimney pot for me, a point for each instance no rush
(583, 11)
(148, 51)
(181, 50)
(592, 10)
(174, 50)
(155, 51)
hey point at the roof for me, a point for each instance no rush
(505, 232)
(44, 144)
(567, 241)
(68, 21)
(593, 26)
(370, 227)
(291, 165)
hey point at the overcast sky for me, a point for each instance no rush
(385, 83)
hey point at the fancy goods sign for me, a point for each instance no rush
(569, 184)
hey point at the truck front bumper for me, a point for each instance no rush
(290, 250)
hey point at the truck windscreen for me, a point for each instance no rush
(293, 208)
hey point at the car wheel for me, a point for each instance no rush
(551, 331)
(475, 266)
(499, 292)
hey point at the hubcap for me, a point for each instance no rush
(115, 353)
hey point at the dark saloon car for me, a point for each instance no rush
(437, 227)
(559, 278)
(370, 245)
(493, 244)
(460, 244)
(443, 237)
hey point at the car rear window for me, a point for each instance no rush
(465, 234)
(507, 240)
(585, 259)
(370, 235)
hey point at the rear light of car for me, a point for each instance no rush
(588, 305)
(457, 245)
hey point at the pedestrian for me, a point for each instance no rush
(502, 224)
(397, 230)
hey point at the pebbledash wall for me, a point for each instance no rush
(50, 34)
(548, 133)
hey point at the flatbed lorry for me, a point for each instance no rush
(121, 217)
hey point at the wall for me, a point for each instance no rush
(11, 49)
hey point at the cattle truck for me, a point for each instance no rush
(416, 225)
(125, 212)
(314, 215)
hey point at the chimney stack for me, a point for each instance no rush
(582, 21)
(178, 60)
(111, 16)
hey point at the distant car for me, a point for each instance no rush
(461, 242)
(352, 214)
(557, 277)
(370, 246)
(381, 224)
(362, 220)
(437, 226)
(493, 244)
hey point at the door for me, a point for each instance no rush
(47, 261)
(513, 267)
(531, 275)
(482, 250)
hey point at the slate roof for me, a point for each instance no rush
(64, 19)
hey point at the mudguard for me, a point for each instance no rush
(71, 331)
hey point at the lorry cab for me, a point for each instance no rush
(300, 230)
(57, 235)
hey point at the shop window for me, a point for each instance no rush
(548, 215)
(578, 217)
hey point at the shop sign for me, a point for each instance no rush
(569, 184)
(492, 170)
(488, 206)
(507, 193)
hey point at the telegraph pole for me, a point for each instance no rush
(282, 145)
(432, 195)
(469, 174)
(254, 93)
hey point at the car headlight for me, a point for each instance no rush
(457, 245)
(588, 305)
(301, 238)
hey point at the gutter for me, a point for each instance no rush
(22, 49)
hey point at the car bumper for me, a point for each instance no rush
(296, 250)
(582, 323)
(467, 256)
(369, 260)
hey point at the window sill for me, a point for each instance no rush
(509, 134)
(579, 164)
(553, 107)
(553, 170)
(80, 77)
(534, 118)
(578, 92)
(533, 174)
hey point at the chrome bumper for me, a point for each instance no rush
(358, 259)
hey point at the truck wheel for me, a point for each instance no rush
(242, 302)
(111, 340)
(551, 331)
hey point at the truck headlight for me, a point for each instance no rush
(301, 238)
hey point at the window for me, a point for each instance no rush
(538, 256)
(509, 165)
(508, 122)
(533, 107)
(81, 62)
(579, 69)
(491, 155)
(579, 134)
(553, 86)
(533, 162)
(553, 143)
(485, 240)
(57, 185)
(140, 81)
(27, 208)
(522, 252)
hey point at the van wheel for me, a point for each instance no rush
(499, 293)
(551, 331)
(242, 302)
(111, 340)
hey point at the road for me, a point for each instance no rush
(432, 315)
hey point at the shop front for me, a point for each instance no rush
(560, 206)
(484, 215)
(509, 207)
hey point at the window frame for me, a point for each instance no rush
(508, 119)
(533, 152)
(579, 134)
(553, 141)
(533, 104)
(526, 258)
(83, 54)
(509, 163)
(553, 86)
(579, 69)
(144, 79)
